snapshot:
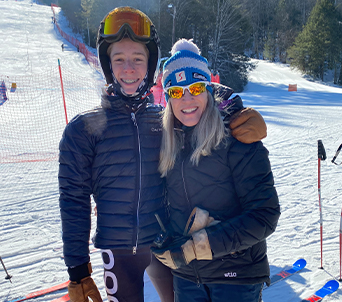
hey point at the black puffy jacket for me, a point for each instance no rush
(235, 184)
(111, 153)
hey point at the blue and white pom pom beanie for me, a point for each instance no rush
(185, 66)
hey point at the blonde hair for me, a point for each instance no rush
(208, 134)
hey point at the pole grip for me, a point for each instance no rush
(321, 151)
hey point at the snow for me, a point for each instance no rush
(30, 224)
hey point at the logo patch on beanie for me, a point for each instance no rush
(168, 84)
(197, 75)
(180, 76)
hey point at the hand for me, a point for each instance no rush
(248, 126)
(184, 249)
(79, 292)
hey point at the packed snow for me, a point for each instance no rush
(30, 231)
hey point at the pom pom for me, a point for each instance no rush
(184, 44)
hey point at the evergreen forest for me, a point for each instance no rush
(306, 34)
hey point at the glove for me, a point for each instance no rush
(184, 249)
(248, 126)
(80, 289)
(198, 219)
(79, 292)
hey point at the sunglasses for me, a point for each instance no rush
(176, 92)
(138, 23)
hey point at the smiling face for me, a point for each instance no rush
(189, 108)
(129, 63)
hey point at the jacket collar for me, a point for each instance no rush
(120, 104)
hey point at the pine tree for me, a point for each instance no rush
(316, 48)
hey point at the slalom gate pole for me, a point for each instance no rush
(8, 277)
(60, 75)
(321, 156)
(334, 162)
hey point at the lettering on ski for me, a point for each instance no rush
(65, 298)
(327, 289)
(42, 292)
(296, 267)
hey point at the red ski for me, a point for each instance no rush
(65, 298)
(42, 292)
(327, 289)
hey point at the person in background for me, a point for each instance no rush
(158, 92)
(215, 76)
(221, 195)
(112, 154)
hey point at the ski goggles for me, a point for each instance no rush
(128, 18)
(176, 92)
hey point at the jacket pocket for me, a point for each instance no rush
(235, 255)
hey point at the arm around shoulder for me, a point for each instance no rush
(248, 126)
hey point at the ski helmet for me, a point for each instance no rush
(129, 22)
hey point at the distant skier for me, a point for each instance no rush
(3, 95)
(62, 47)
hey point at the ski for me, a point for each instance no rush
(296, 267)
(327, 289)
(42, 292)
(65, 298)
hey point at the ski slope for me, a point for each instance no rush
(30, 235)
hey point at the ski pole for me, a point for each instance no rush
(8, 277)
(336, 154)
(340, 246)
(321, 156)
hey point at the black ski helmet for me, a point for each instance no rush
(129, 22)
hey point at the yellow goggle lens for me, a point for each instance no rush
(176, 92)
(139, 23)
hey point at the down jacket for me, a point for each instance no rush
(111, 153)
(235, 185)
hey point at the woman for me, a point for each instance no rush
(222, 200)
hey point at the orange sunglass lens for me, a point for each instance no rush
(197, 88)
(175, 92)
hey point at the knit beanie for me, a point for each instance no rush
(185, 66)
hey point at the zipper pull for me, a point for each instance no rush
(134, 250)
(133, 118)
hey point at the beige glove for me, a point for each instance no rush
(248, 126)
(183, 250)
(198, 219)
(80, 292)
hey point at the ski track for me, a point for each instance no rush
(30, 229)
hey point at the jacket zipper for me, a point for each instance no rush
(185, 191)
(135, 247)
(190, 208)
